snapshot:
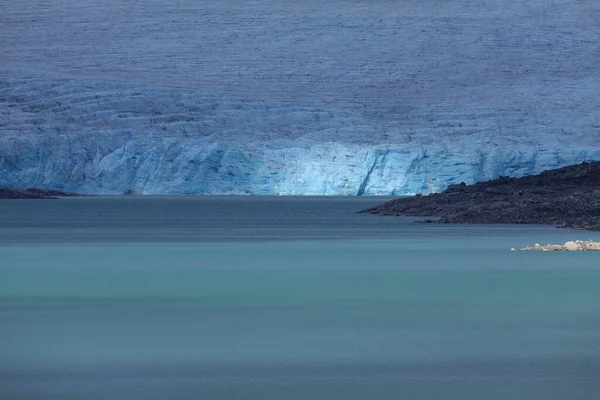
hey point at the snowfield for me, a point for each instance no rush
(286, 97)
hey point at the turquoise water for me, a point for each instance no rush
(287, 298)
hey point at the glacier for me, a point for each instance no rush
(302, 98)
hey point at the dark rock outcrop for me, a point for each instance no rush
(33, 193)
(567, 197)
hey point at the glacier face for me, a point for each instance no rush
(282, 97)
(94, 137)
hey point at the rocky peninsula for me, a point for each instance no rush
(34, 193)
(566, 197)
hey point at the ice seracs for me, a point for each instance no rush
(91, 137)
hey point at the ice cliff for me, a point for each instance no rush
(96, 137)
(340, 97)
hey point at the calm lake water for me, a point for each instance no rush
(287, 298)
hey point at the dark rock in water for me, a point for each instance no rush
(566, 197)
(34, 193)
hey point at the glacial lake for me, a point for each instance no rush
(248, 297)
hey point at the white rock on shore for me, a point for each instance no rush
(577, 245)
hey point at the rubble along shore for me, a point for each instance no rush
(565, 197)
(577, 245)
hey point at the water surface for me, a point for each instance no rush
(295, 298)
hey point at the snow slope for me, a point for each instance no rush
(287, 97)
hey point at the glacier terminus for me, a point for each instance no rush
(294, 98)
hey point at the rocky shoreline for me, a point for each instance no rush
(565, 197)
(577, 245)
(34, 193)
